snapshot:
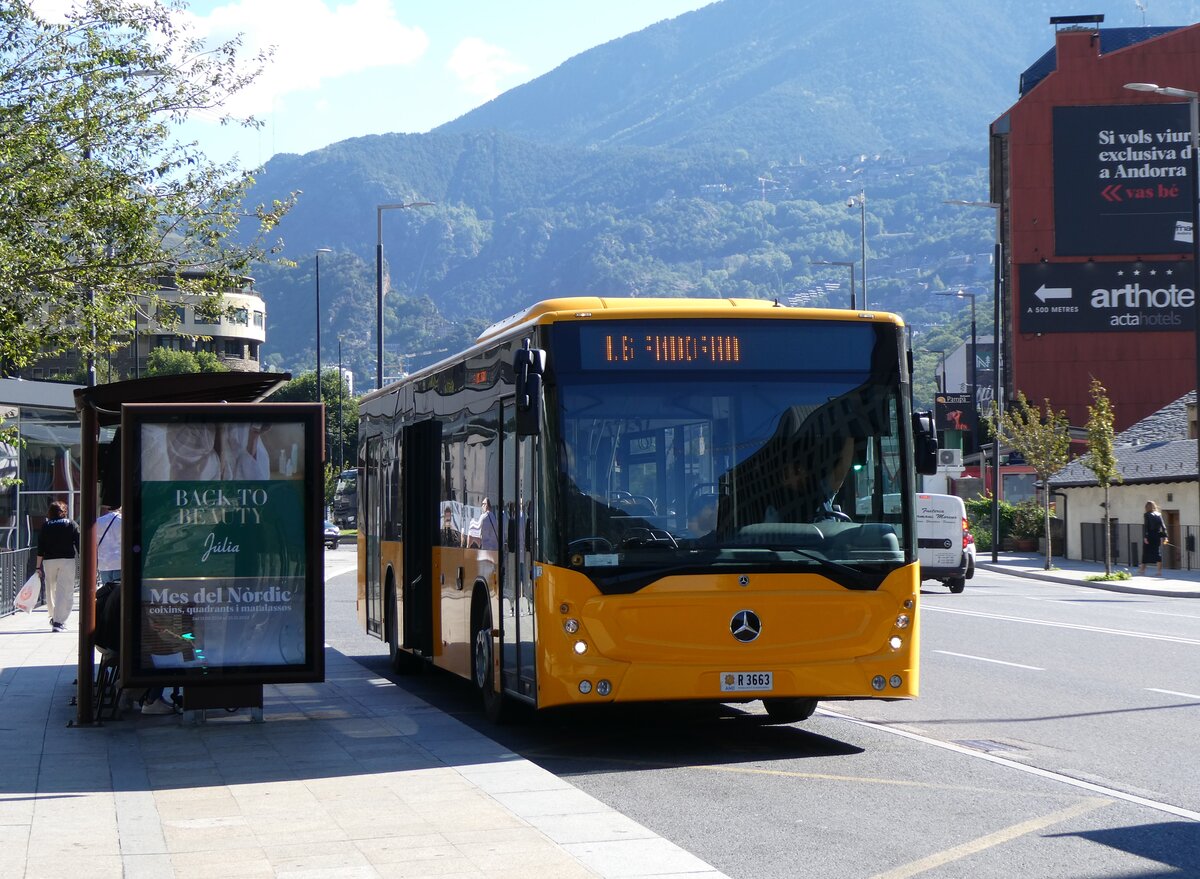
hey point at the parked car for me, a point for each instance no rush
(945, 548)
(333, 535)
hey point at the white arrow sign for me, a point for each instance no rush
(1043, 293)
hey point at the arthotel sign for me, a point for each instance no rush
(1105, 297)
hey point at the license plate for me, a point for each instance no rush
(742, 681)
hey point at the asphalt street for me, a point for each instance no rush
(1055, 730)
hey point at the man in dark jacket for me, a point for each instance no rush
(58, 543)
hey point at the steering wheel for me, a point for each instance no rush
(649, 537)
(824, 515)
(590, 544)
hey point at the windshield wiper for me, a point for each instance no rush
(859, 579)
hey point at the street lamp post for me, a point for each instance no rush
(379, 209)
(320, 250)
(1194, 125)
(860, 201)
(831, 262)
(341, 394)
(997, 399)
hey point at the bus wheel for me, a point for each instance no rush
(495, 705)
(956, 584)
(789, 710)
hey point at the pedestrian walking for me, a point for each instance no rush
(1154, 533)
(58, 544)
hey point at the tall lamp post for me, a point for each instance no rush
(1194, 125)
(379, 209)
(320, 250)
(832, 262)
(997, 347)
(860, 201)
(341, 393)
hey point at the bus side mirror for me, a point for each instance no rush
(925, 444)
(529, 364)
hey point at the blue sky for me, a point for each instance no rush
(345, 68)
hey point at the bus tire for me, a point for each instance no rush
(403, 662)
(789, 710)
(956, 584)
(483, 665)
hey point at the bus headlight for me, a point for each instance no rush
(585, 687)
(603, 688)
(581, 647)
(895, 682)
(571, 626)
(896, 642)
(878, 682)
(902, 621)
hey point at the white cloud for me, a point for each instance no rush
(480, 66)
(312, 43)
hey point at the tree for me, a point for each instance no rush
(341, 421)
(102, 206)
(1101, 459)
(165, 361)
(1042, 437)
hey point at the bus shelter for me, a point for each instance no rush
(100, 407)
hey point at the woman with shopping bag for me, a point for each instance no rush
(58, 543)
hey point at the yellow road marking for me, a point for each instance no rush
(993, 839)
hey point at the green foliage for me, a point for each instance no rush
(101, 204)
(1109, 575)
(165, 361)
(1027, 521)
(341, 413)
(1101, 458)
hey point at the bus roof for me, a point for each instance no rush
(574, 308)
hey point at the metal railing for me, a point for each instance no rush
(15, 567)
(1127, 546)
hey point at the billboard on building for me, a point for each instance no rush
(1122, 180)
(223, 563)
(1106, 297)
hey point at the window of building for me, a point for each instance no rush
(241, 316)
(233, 348)
(252, 349)
(259, 318)
(202, 319)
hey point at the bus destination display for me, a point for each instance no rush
(658, 345)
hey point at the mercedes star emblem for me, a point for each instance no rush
(745, 625)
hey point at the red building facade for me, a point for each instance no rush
(1095, 191)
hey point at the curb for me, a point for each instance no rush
(1105, 585)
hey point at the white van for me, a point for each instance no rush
(943, 542)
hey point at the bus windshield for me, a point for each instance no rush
(679, 470)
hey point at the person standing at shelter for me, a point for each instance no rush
(1154, 532)
(108, 546)
(58, 543)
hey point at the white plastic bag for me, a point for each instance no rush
(28, 595)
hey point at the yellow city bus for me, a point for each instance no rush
(618, 500)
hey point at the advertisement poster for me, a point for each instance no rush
(223, 548)
(1122, 180)
(1106, 297)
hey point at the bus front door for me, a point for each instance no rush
(518, 491)
(417, 530)
(370, 523)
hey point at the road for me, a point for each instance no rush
(1055, 737)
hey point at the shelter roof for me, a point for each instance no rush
(203, 387)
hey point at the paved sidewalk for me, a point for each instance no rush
(1181, 584)
(352, 777)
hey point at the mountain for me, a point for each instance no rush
(708, 155)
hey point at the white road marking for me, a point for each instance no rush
(1174, 693)
(1163, 613)
(1022, 767)
(1078, 627)
(985, 659)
